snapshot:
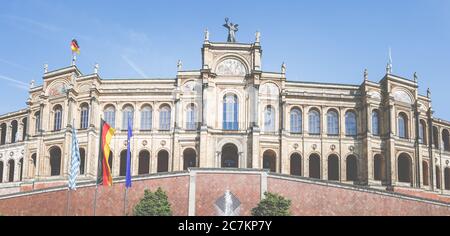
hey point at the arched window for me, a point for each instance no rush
(37, 120)
(146, 118)
(438, 177)
(11, 170)
(402, 125)
(445, 140)
(57, 120)
(375, 123)
(351, 128)
(144, 162)
(447, 178)
(333, 167)
(296, 121)
(379, 171)
(422, 132)
(189, 158)
(269, 160)
(314, 122)
(55, 161)
(24, 130)
(82, 161)
(230, 156)
(14, 126)
(20, 169)
(164, 118)
(269, 119)
(425, 175)
(1, 171)
(123, 163)
(404, 168)
(84, 117)
(332, 123)
(314, 166)
(127, 116)
(230, 112)
(191, 117)
(110, 116)
(32, 167)
(352, 168)
(296, 164)
(436, 137)
(3, 135)
(163, 161)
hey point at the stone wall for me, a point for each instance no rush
(195, 193)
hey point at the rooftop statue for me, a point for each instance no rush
(232, 29)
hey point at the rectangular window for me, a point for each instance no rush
(146, 120)
(84, 118)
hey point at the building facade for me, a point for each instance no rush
(230, 114)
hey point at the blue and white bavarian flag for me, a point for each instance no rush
(75, 161)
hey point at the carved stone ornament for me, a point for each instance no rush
(295, 146)
(11, 153)
(314, 146)
(144, 143)
(231, 67)
(351, 148)
(163, 143)
(333, 147)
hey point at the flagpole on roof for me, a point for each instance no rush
(99, 163)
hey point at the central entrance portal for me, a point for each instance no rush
(230, 156)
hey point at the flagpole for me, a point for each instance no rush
(99, 163)
(125, 202)
(68, 201)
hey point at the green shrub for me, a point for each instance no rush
(272, 205)
(153, 204)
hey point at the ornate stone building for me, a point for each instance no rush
(230, 114)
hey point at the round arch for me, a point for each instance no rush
(404, 168)
(55, 161)
(296, 164)
(144, 162)
(270, 160)
(189, 158)
(163, 161)
(314, 166)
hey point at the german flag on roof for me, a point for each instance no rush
(75, 47)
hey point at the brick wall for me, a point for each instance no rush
(309, 197)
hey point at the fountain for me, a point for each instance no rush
(228, 205)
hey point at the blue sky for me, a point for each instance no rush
(324, 41)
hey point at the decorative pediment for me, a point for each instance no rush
(231, 67)
(191, 87)
(374, 95)
(57, 89)
(269, 90)
(402, 96)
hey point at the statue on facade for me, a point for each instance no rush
(428, 93)
(179, 65)
(366, 75)
(96, 67)
(232, 29)
(45, 68)
(283, 68)
(257, 36)
(206, 35)
(415, 77)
